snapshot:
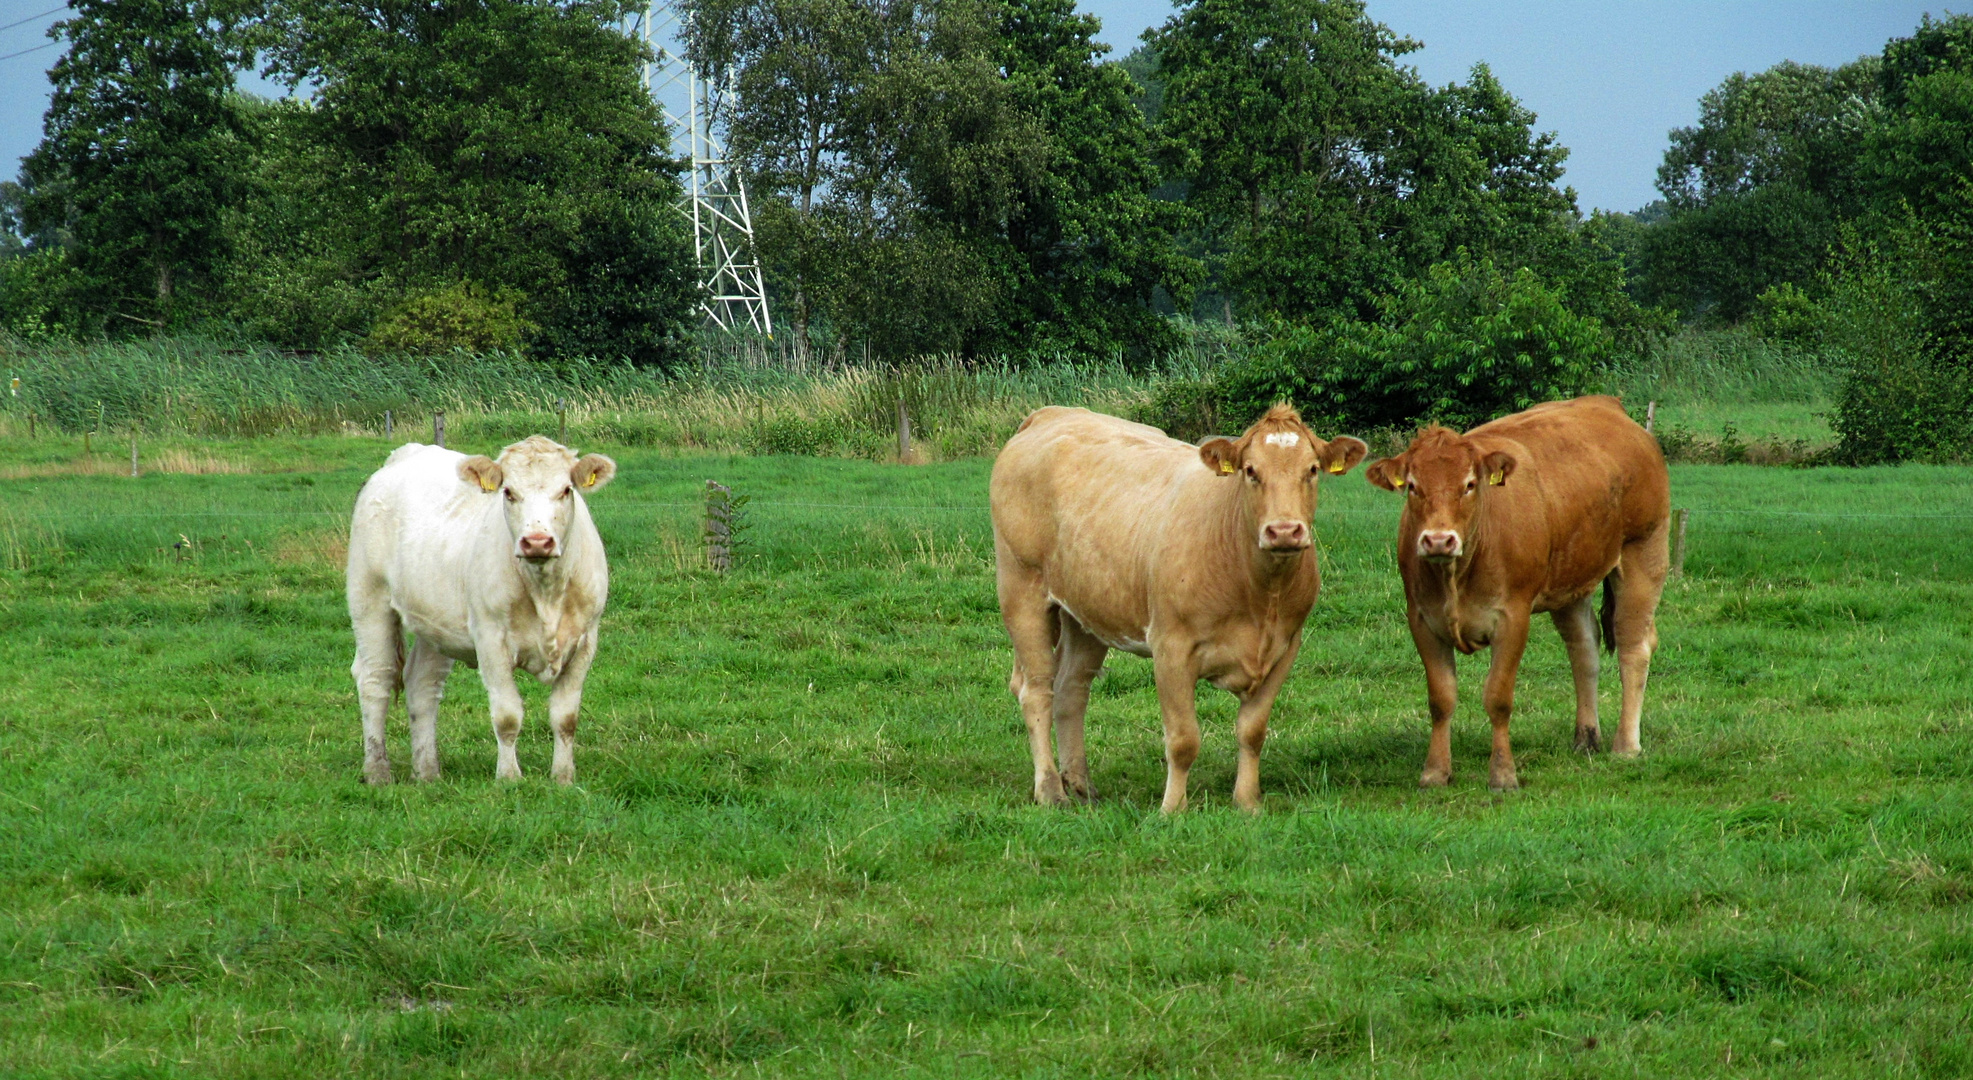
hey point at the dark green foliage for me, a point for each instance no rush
(141, 159)
(950, 176)
(1467, 343)
(461, 316)
(508, 144)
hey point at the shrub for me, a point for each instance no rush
(1785, 313)
(460, 316)
(38, 296)
(1896, 314)
(1465, 343)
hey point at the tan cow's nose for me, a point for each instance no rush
(1285, 535)
(1441, 544)
(537, 546)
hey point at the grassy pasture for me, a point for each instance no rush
(801, 842)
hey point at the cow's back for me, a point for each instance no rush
(1587, 476)
(1086, 500)
(419, 541)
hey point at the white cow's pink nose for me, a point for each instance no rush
(1285, 535)
(537, 546)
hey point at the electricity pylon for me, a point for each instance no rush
(732, 294)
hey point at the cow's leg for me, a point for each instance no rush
(503, 700)
(378, 671)
(1639, 581)
(1178, 686)
(425, 670)
(1078, 657)
(1510, 640)
(564, 702)
(1255, 707)
(1577, 625)
(1032, 626)
(1441, 696)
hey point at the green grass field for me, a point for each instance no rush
(801, 844)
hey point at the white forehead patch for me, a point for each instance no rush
(1283, 438)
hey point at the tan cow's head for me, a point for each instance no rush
(539, 479)
(1444, 477)
(1278, 460)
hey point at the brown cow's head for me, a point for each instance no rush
(1444, 477)
(1278, 460)
(538, 478)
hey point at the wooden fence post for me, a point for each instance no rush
(438, 428)
(1678, 541)
(1650, 415)
(562, 420)
(387, 423)
(903, 432)
(133, 457)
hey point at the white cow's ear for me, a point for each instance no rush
(592, 472)
(1221, 455)
(482, 472)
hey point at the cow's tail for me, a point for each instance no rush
(1609, 613)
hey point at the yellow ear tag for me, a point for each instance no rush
(1226, 466)
(589, 481)
(487, 484)
(1497, 479)
(1337, 466)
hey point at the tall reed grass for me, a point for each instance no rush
(1726, 367)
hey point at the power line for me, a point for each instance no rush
(24, 52)
(30, 19)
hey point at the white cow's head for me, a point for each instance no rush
(539, 480)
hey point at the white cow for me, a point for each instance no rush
(492, 562)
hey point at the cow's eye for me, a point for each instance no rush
(1469, 485)
(509, 492)
(566, 492)
(1251, 474)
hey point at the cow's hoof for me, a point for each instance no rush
(1048, 791)
(1626, 751)
(377, 776)
(1078, 788)
(1433, 778)
(1504, 783)
(1588, 740)
(565, 777)
(425, 776)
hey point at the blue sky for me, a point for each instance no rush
(1611, 78)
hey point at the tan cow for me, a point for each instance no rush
(1530, 513)
(1111, 535)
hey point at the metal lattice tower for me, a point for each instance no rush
(732, 294)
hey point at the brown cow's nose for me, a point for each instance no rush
(1442, 544)
(1285, 535)
(537, 546)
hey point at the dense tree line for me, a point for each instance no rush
(1834, 207)
(489, 173)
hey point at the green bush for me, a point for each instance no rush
(1466, 343)
(1897, 315)
(37, 296)
(460, 316)
(1785, 313)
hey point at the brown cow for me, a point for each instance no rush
(1525, 514)
(1111, 535)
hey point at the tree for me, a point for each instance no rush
(1330, 175)
(509, 144)
(1755, 192)
(141, 155)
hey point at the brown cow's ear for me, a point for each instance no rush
(592, 472)
(1498, 466)
(1342, 453)
(1386, 473)
(1221, 455)
(482, 472)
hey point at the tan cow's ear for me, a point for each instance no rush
(592, 472)
(483, 472)
(1342, 453)
(1221, 455)
(1386, 473)
(1498, 466)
